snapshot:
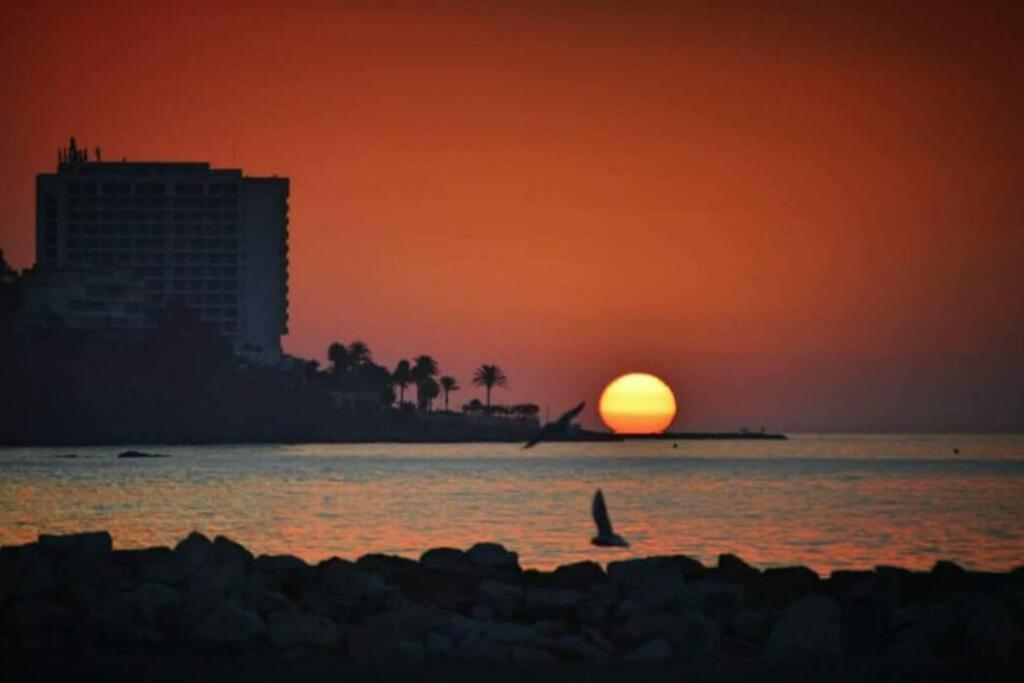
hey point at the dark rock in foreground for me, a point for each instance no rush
(456, 612)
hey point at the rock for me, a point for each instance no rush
(115, 619)
(25, 574)
(530, 656)
(597, 639)
(36, 624)
(504, 599)
(594, 610)
(571, 646)
(505, 632)
(156, 603)
(912, 643)
(266, 601)
(780, 586)
(225, 577)
(443, 558)
(696, 636)
(645, 626)
(551, 628)
(643, 572)
(608, 590)
(482, 613)
(195, 551)
(459, 628)
(948, 567)
(656, 584)
(291, 573)
(226, 550)
(381, 633)
(652, 651)
(734, 566)
(161, 565)
(846, 584)
(438, 646)
(992, 636)
(715, 598)
(753, 625)
(549, 602)
(93, 545)
(579, 575)
(392, 568)
(292, 628)
(141, 454)
(865, 619)
(406, 651)
(340, 590)
(625, 610)
(481, 651)
(492, 556)
(692, 633)
(231, 626)
(809, 626)
(282, 566)
(198, 600)
(90, 570)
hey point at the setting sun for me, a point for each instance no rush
(637, 403)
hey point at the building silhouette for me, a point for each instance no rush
(118, 241)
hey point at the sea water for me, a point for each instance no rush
(826, 501)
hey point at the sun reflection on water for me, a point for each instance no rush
(837, 502)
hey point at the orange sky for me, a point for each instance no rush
(804, 219)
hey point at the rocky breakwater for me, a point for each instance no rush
(75, 593)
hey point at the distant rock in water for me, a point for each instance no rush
(141, 454)
(65, 456)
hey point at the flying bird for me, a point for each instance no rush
(605, 535)
(561, 427)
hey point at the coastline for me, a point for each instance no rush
(404, 438)
(462, 611)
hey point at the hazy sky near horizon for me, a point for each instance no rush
(801, 217)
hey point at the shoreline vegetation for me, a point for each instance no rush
(183, 383)
(582, 436)
(211, 610)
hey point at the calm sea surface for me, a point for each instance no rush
(832, 501)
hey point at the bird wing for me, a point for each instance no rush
(545, 432)
(604, 524)
(569, 415)
(559, 425)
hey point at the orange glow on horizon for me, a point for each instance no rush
(808, 216)
(637, 403)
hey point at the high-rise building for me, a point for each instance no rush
(211, 239)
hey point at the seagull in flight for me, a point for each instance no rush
(605, 535)
(562, 426)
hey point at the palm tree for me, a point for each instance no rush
(401, 377)
(424, 368)
(489, 376)
(359, 353)
(427, 391)
(339, 357)
(448, 385)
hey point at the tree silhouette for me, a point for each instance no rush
(401, 378)
(448, 385)
(428, 390)
(338, 355)
(489, 376)
(424, 368)
(359, 353)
